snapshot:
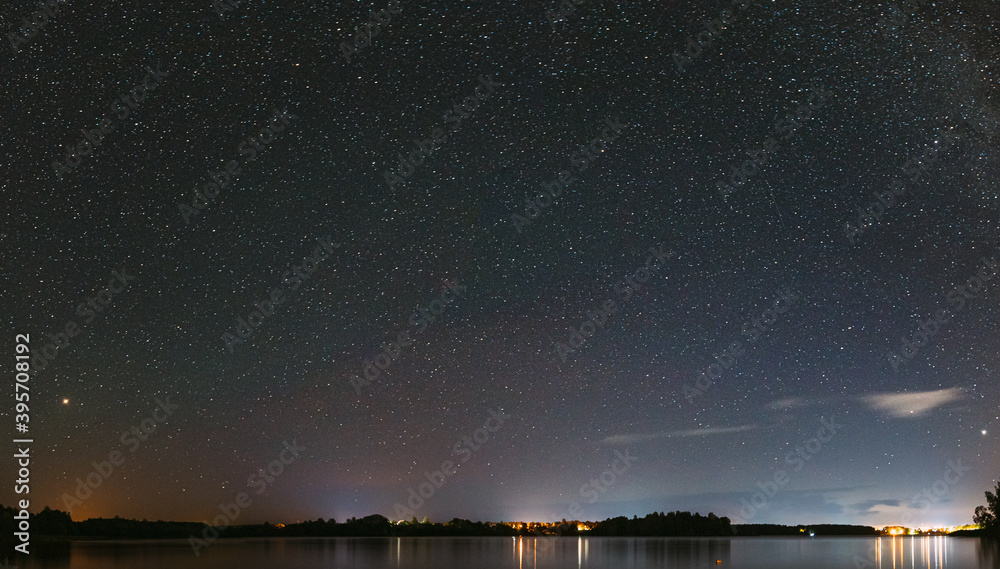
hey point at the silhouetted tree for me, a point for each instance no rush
(52, 522)
(988, 516)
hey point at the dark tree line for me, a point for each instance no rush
(988, 516)
(660, 524)
(57, 523)
(820, 529)
(50, 522)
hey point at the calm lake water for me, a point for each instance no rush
(529, 553)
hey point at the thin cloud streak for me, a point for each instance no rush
(641, 437)
(912, 405)
(898, 405)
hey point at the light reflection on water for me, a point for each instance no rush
(927, 552)
(900, 552)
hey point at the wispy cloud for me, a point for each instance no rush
(790, 403)
(901, 405)
(873, 506)
(913, 404)
(640, 437)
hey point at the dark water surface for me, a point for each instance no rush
(529, 553)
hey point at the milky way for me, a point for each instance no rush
(528, 262)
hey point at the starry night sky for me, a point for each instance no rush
(868, 87)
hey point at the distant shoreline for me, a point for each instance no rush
(68, 539)
(54, 526)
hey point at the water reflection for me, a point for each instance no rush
(899, 552)
(925, 552)
(988, 553)
(535, 552)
